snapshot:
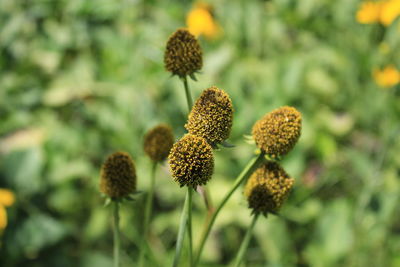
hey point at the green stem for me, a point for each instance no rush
(187, 93)
(242, 176)
(116, 233)
(181, 232)
(147, 213)
(189, 225)
(245, 242)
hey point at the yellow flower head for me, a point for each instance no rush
(390, 10)
(388, 77)
(191, 161)
(7, 198)
(200, 21)
(211, 116)
(278, 131)
(369, 12)
(3, 218)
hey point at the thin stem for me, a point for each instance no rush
(245, 242)
(187, 93)
(147, 213)
(242, 176)
(181, 232)
(189, 225)
(116, 233)
(206, 197)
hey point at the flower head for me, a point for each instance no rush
(390, 10)
(200, 21)
(118, 175)
(387, 77)
(267, 188)
(278, 131)
(158, 142)
(7, 198)
(191, 161)
(384, 11)
(211, 116)
(3, 218)
(183, 55)
(369, 12)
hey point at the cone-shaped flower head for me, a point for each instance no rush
(211, 116)
(278, 131)
(183, 55)
(118, 175)
(191, 161)
(158, 142)
(267, 188)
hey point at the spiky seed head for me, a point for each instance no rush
(191, 161)
(118, 175)
(278, 131)
(267, 188)
(211, 116)
(158, 142)
(183, 55)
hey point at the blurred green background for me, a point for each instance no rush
(80, 79)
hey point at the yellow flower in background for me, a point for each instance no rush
(369, 12)
(388, 77)
(201, 22)
(390, 10)
(384, 12)
(7, 198)
(3, 218)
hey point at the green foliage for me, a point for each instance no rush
(81, 79)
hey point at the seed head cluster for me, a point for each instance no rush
(191, 161)
(183, 55)
(118, 175)
(211, 116)
(278, 131)
(158, 142)
(267, 188)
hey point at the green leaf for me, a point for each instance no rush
(193, 77)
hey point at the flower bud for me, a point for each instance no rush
(183, 55)
(118, 175)
(191, 161)
(278, 131)
(267, 188)
(211, 116)
(158, 142)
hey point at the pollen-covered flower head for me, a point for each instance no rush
(278, 131)
(118, 175)
(183, 55)
(158, 142)
(191, 161)
(267, 188)
(211, 116)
